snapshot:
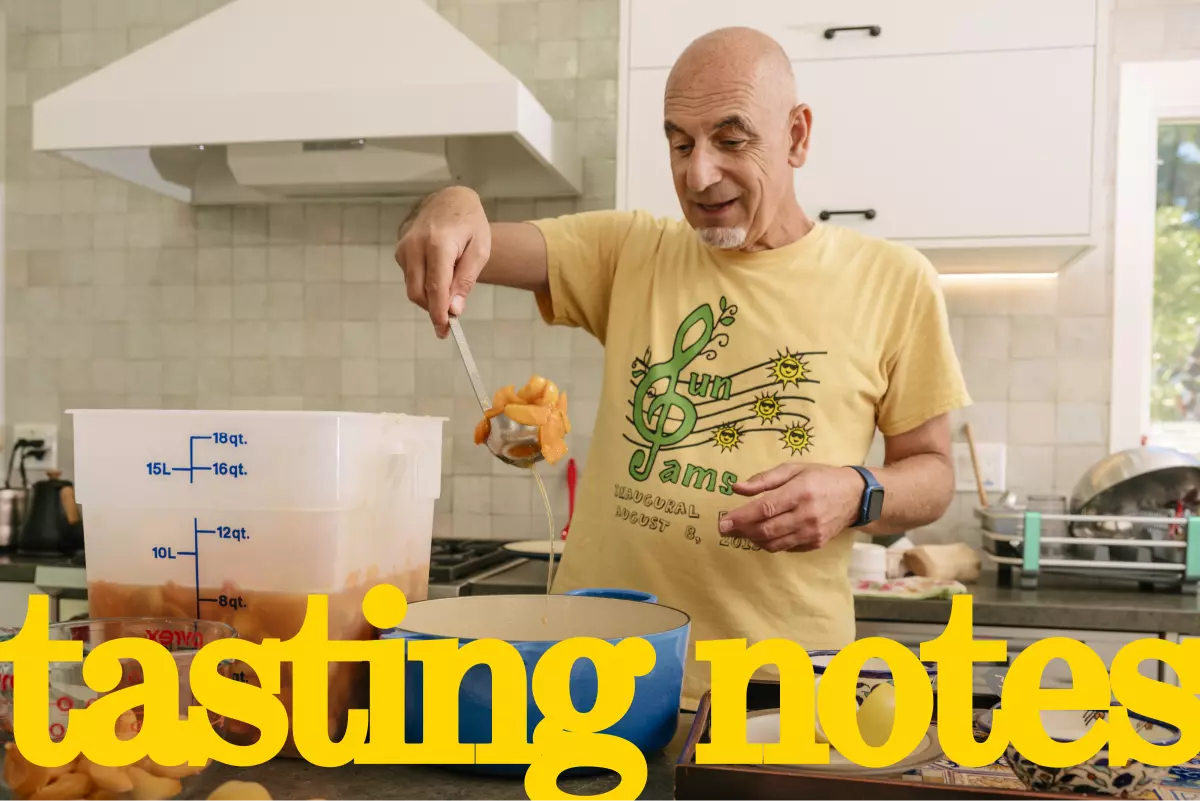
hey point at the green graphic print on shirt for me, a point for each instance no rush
(671, 413)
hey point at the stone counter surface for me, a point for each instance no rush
(21, 569)
(1061, 602)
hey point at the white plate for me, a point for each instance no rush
(763, 727)
(536, 548)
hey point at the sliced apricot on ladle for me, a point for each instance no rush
(532, 391)
(539, 404)
(527, 414)
(554, 428)
(505, 396)
(561, 406)
(483, 429)
(553, 448)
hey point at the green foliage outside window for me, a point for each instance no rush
(1175, 393)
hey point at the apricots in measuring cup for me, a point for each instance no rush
(82, 778)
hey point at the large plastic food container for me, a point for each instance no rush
(238, 516)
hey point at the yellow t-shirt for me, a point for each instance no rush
(719, 365)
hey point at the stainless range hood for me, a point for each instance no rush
(295, 100)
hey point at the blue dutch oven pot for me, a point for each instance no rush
(609, 614)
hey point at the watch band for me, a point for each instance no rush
(872, 498)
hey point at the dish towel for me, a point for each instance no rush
(916, 588)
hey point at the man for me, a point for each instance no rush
(750, 354)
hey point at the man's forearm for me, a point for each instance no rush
(917, 491)
(516, 252)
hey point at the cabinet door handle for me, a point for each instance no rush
(868, 213)
(874, 30)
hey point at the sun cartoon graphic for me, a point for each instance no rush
(727, 437)
(787, 369)
(797, 439)
(766, 408)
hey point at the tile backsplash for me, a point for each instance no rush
(117, 297)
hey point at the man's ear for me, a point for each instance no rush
(801, 130)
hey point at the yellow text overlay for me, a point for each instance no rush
(566, 737)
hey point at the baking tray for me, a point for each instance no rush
(694, 781)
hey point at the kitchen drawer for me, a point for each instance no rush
(659, 30)
(1057, 674)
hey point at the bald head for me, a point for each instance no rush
(736, 134)
(738, 56)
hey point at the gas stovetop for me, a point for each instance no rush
(456, 567)
(452, 560)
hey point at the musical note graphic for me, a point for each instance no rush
(651, 420)
(670, 411)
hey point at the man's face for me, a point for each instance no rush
(732, 154)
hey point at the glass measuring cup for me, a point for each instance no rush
(6, 689)
(182, 637)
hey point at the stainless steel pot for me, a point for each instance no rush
(1146, 481)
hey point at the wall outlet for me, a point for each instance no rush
(991, 466)
(48, 433)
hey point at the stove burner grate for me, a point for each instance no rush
(451, 560)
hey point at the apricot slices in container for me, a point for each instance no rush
(540, 404)
(82, 778)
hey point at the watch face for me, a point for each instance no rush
(875, 504)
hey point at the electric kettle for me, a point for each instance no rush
(52, 522)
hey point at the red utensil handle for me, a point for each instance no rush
(570, 496)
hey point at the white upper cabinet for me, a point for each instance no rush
(960, 145)
(964, 129)
(812, 30)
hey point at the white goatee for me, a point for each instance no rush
(723, 238)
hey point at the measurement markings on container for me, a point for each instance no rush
(231, 533)
(219, 468)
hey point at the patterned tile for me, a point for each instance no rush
(1184, 781)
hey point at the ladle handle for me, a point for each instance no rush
(469, 362)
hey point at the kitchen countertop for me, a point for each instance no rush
(296, 779)
(1061, 602)
(21, 569)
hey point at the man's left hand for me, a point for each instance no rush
(796, 507)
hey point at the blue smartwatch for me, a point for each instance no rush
(872, 498)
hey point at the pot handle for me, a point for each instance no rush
(614, 592)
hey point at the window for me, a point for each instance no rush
(1175, 329)
(1156, 258)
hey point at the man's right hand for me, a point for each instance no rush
(443, 247)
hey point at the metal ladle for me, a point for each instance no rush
(506, 434)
